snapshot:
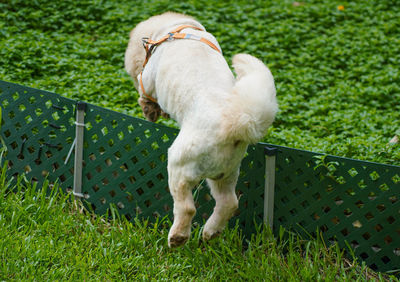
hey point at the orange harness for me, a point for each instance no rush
(150, 45)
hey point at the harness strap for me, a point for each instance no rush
(144, 92)
(150, 46)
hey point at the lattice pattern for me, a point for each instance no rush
(250, 190)
(37, 127)
(348, 200)
(125, 158)
(126, 163)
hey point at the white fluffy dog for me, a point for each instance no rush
(219, 115)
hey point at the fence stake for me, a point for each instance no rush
(80, 126)
(270, 155)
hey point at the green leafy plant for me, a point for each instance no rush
(330, 168)
(336, 70)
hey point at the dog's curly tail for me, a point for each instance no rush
(256, 102)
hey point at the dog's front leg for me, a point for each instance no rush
(150, 109)
(184, 209)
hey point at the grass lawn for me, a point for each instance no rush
(336, 66)
(51, 237)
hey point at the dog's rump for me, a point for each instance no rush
(253, 98)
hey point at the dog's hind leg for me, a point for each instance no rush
(184, 209)
(226, 201)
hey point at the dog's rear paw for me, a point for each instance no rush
(208, 235)
(177, 240)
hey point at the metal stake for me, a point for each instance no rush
(270, 156)
(80, 126)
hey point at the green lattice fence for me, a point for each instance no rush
(38, 130)
(347, 200)
(125, 158)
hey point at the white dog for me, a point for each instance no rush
(182, 72)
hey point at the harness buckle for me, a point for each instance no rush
(171, 34)
(145, 42)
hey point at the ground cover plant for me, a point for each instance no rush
(336, 69)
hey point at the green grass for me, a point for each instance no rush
(46, 236)
(338, 87)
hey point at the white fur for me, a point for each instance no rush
(218, 115)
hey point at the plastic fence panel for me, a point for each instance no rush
(38, 129)
(124, 158)
(250, 190)
(126, 164)
(348, 200)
